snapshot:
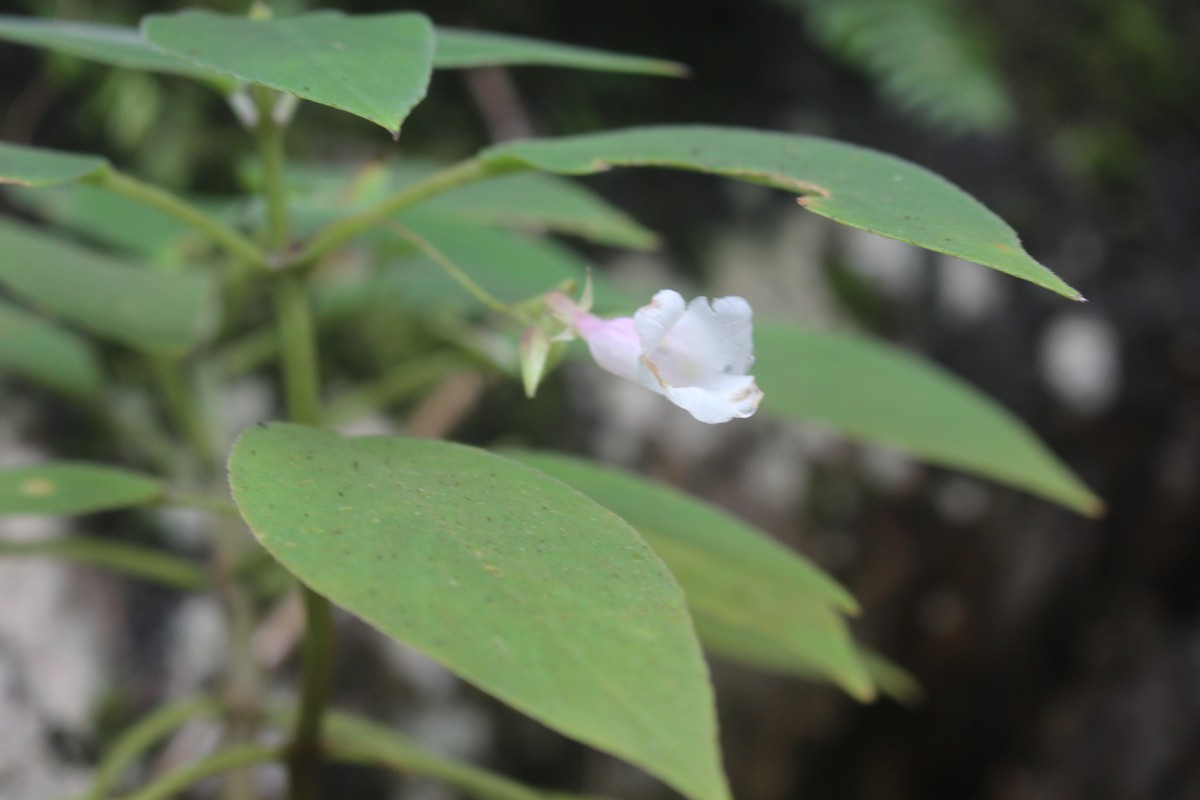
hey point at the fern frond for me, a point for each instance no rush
(922, 55)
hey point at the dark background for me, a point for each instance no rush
(1060, 656)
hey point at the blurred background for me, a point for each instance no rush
(1059, 656)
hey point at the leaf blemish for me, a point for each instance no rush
(38, 487)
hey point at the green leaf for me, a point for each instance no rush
(71, 488)
(530, 201)
(746, 646)
(881, 394)
(35, 166)
(892, 679)
(512, 580)
(376, 66)
(152, 311)
(544, 203)
(853, 185)
(510, 266)
(119, 46)
(735, 578)
(139, 562)
(47, 355)
(106, 218)
(113, 45)
(457, 47)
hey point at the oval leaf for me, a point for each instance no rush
(69, 488)
(852, 185)
(153, 311)
(544, 203)
(519, 584)
(35, 166)
(376, 66)
(735, 578)
(107, 219)
(114, 45)
(882, 394)
(458, 47)
(47, 355)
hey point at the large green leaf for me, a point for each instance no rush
(35, 166)
(879, 393)
(733, 576)
(69, 488)
(458, 47)
(153, 311)
(114, 45)
(516, 582)
(542, 202)
(853, 185)
(47, 355)
(376, 65)
(125, 47)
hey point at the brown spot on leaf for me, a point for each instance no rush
(38, 487)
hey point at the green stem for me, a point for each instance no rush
(204, 502)
(303, 395)
(271, 150)
(242, 689)
(227, 760)
(143, 735)
(336, 234)
(248, 353)
(181, 404)
(130, 559)
(297, 338)
(360, 741)
(143, 434)
(449, 267)
(304, 751)
(240, 246)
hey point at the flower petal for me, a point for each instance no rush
(655, 319)
(720, 332)
(725, 398)
(616, 347)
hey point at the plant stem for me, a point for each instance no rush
(449, 267)
(148, 195)
(361, 741)
(303, 396)
(143, 735)
(271, 150)
(227, 760)
(180, 400)
(214, 503)
(304, 751)
(142, 562)
(242, 689)
(338, 233)
(296, 335)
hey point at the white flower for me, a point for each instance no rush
(696, 355)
